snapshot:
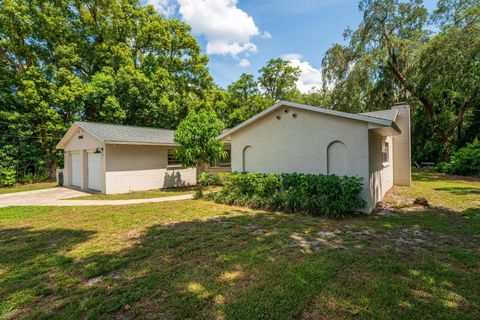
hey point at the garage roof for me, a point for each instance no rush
(113, 133)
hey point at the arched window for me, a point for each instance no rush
(337, 159)
(247, 158)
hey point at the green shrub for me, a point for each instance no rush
(8, 177)
(31, 177)
(465, 161)
(206, 179)
(328, 195)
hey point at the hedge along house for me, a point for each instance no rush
(290, 137)
(119, 159)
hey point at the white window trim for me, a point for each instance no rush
(385, 163)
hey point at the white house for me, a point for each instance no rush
(287, 137)
(290, 137)
(119, 159)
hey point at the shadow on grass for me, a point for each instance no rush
(242, 267)
(33, 267)
(432, 176)
(463, 191)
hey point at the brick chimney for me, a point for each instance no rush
(402, 165)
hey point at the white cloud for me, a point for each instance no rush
(227, 29)
(165, 7)
(292, 56)
(244, 63)
(310, 77)
(266, 35)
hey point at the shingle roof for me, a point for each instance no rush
(133, 134)
(113, 133)
(390, 114)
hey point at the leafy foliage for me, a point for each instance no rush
(278, 78)
(465, 161)
(207, 179)
(113, 61)
(328, 195)
(197, 137)
(394, 56)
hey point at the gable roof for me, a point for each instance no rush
(376, 120)
(112, 133)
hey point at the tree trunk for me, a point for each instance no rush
(51, 167)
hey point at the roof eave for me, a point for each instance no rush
(167, 144)
(347, 115)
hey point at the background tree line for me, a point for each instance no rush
(117, 61)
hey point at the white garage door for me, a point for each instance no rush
(76, 169)
(94, 171)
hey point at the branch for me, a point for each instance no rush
(461, 113)
(393, 64)
(16, 66)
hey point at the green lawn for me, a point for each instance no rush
(158, 193)
(453, 192)
(197, 259)
(27, 187)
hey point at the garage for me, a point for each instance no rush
(111, 158)
(94, 171)
(76, 169)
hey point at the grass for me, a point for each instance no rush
(453, 192)
(27, 187)
(197, 259)
(158, 193)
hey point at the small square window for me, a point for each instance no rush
(172, 159)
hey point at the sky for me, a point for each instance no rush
(240, 36)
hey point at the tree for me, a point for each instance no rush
(244, 87)
(278, 79)
(392, 56)
(113, 61)
(244, 100)
(197, 137)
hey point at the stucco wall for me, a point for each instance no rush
(137, 168)
(299, 144)
(381, 174)
(82, 146)
(88, 142)
(402, 172)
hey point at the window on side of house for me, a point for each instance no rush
(172, 159)
(385, 152)
(223, 163)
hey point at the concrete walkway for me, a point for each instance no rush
(54, 196)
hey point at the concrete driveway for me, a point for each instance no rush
(54, 196)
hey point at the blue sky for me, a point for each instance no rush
(242, 35)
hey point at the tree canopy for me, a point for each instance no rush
(394, 56)
(197, 137)
(113, 61)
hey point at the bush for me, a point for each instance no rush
(221, 176)
(205, 179)
(31, 177)
(465, 161)
(328, 195)
(8, 177)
